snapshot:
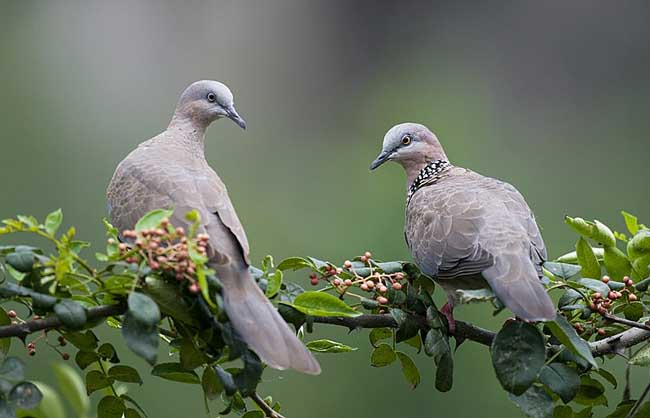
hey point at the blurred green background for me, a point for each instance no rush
(550, 96)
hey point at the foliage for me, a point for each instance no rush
(155, 284)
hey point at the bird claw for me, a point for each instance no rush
(448, 312)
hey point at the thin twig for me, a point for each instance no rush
(268, 411)
(638, 403)
(624, 321)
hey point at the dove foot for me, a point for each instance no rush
(448, 311)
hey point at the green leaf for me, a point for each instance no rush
(562, 411)
(616, 263)
(639, 245)
(72, 314)
(328, 346)
(608, 376)
(275, 283)
(445, 372)
(5, 343)
(22, 262)
(591, 392)
(191, 357)
(53, 222)
(382, 356)
(153, 219)
(212, 387)
(564, 332)
(642, 357)
(169, 299)
(124, 374)
(409, 369)
(226, 380)
(86, 341)
(132, 413)
(475, 295)
(322, 304)
(631, 222)
(587, 259)
(175, 372)
(603, 235)
(26, 395)
(436, 344)
(12, 369)
(96, 380)
(561, 379)
(595, 285)
(143, 309)
(141, 339)
(518, 354)
(572, 257)
(72, 387)
(633, 311)
(535, 403)
(110, 407)
(267, 263)
(561, 270)
(295, 263)
(107, 352)
(378, 334)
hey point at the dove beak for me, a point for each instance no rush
(232, 114)
(382, 158)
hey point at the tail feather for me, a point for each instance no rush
(515, 281)
(260, 325)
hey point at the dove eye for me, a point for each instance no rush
(212, 97)
(406, 139)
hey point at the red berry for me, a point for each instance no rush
(605, 279)
(348, 282)
(194, 288)
(36, 317)
(32, 353)
(593, 307)
(382, 300)
(31, 346)
(367, 254)
(313, 276)
(596, 296)
(347, 264)
(383, 289)
(399, 276)
(110, 241)
(65, 356)
(363, 259)
(364, 287)
(601, 332)
(370, 284)
(633, 297)
(397, 286)
(314, 281)
(337, 282)
(154, 265)
(12, 314)
(602, 310)
(611, 295)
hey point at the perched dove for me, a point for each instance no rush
(465, 230)
(170, 171)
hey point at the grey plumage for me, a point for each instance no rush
(170, 171)
(466, 230)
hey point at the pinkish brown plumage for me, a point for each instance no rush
(465, 230)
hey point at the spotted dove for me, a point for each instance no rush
(465, 230)
(170, 171)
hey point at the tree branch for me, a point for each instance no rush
(268, 411)
(24, 329)
(609, 345)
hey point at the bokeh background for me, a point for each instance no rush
(550, 96)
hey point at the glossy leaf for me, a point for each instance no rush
(141, 339)
(295, 263)
(587, 259)
(328, 346)
(382, 356)
(561, 379)
(143, 309)
(110, 407)
(153, 219)
(5, 343)
(53, 221)
(409, 369)
(322, 304)
(125, 374)
(534, 403)
(562, 270)
(96, 380)
(642, 357)
(616, 263)
(378, 334)
(175, 372)
(274, 284)
(212, 387)
(564, 332)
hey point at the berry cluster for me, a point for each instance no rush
(603, 304)
(377, 282)
(165, 248)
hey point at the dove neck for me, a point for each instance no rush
(188, 130)
(427, 173)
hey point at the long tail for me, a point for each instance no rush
(516, 283)
(260, 325)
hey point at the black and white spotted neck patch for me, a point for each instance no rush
(430, 174)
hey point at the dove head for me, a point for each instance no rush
(205, 101)
(411, 145)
